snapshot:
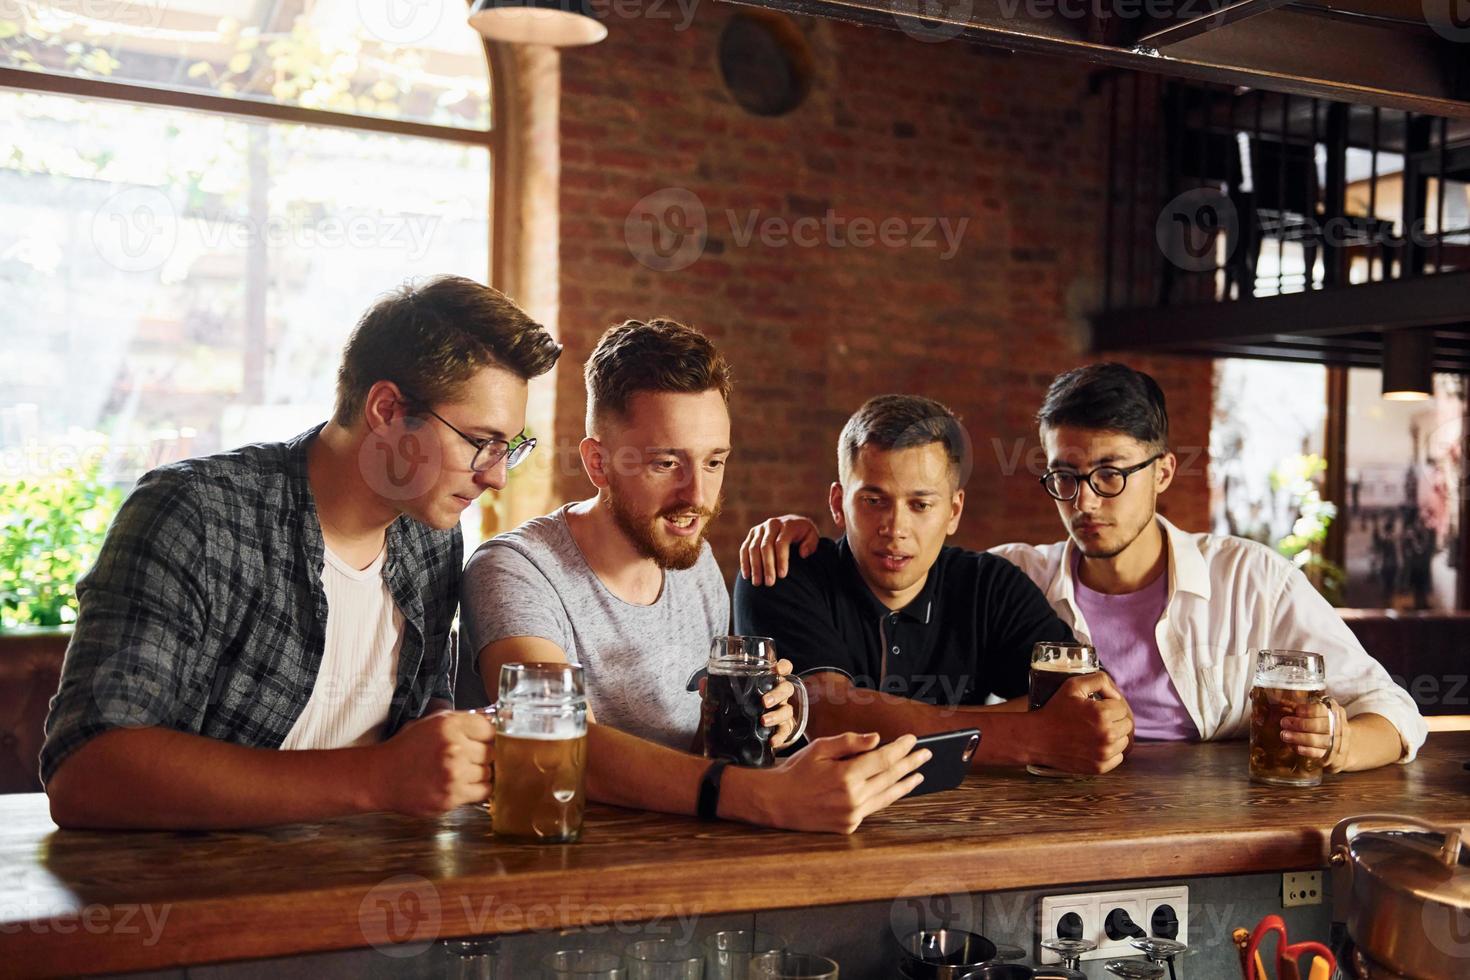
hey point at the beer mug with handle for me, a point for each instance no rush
(1286, 682)
(540, 719)
(741, 672)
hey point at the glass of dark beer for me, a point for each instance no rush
(1287, 682)
(741, 671)
(540, 719)
(1052, 665)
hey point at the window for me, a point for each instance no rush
(386, 59)
(1405, 481)
(1268, 419)
(198, 200)
(1398, 515)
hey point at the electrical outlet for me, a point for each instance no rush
(1055, 908)
(1301, 888)
(1129, 912)
(1158, 909)
(1093, 909)
(1110, 904)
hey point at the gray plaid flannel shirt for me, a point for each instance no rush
(205, 612)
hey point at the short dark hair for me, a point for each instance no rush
(660, 355)
(430, 338)
(1108, 396)
(890, 422)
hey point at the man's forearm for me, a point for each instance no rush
(156, 778)
(838, 706)
(626, 770)
(1374, 742)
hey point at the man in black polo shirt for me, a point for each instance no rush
(898, 633)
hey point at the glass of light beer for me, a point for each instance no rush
(1052, 665)
(540, 719)
(1286, 683)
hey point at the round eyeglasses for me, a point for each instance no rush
(1105, 481)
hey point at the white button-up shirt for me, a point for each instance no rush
(1228, 598)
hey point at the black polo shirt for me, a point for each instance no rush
(966, 635)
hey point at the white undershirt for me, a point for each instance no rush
(354, 688)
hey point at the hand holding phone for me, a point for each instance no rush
(952, 752)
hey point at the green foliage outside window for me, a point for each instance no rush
(1299, 477)
(51, 529)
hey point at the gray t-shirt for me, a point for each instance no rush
(535, 581)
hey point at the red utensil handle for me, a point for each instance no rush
(1271, 923)
(1295, 951)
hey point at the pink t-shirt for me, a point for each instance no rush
(1122, 630)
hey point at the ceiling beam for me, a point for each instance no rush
(1359, 59)
(1172, 30)
(1261, 352)
(1396, 304)
(1295, 49)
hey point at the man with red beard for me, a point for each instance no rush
(624, 585)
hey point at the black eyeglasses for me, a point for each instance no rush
(1105, 481)
(488, 452)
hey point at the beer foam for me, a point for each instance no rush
(545, 730)
(1290, 679)
(741, 668)
(1064, 667)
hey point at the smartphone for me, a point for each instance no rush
(951, 760)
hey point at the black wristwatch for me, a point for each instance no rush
(709, 790)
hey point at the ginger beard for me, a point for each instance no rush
(650, 537)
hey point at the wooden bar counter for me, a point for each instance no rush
(84, 902)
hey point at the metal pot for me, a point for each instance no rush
(1405, 885)
(1020, 971)
(942, 954)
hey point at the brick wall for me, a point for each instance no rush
(893, 128)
